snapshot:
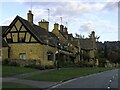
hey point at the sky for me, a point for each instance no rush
(79, 16)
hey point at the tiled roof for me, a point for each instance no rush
(86, 43)
(53, 38)
(3, 28)
(63, 33)
(2, 42)
(34, 29)
(39, 33)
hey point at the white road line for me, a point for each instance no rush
(110, 81)
(113, 77)
(108, 87)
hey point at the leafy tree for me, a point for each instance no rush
(106, 51)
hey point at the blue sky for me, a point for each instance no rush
(81, 17)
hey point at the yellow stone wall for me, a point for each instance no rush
(91, 54)
(33, 52)
(4, 53)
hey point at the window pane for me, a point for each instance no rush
(22, 56)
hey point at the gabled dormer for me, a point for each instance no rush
(18, 32)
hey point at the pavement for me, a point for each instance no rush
(105, 80)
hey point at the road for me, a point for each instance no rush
(105, 80)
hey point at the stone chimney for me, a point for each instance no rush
(56, 27)
(61, 27)
(65, 30)
(93, 39)
(93, 34)
(44, 24)
(30, 16)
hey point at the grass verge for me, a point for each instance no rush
(14, 70)
(66, 73)
(6, 85)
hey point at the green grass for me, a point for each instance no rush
(66, 73)
(14, 70)
(14, 85)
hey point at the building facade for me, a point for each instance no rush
(25, 42)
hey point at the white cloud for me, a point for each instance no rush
(79, 15)
(111, 6)
(87, 27)
(7, 21)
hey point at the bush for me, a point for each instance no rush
(102, 62)
(82, 64)
(49, 67)
(39, 67)
(13, 63)
(67, 64)
(5, 62)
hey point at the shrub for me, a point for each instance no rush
(49, 67)
(67, 64)
(5, 62)
(39, 67)
(102, 62)
(82, 64)
(13, 63)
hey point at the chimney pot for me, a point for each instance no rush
(30, 16)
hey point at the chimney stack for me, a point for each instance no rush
(44, 24)
(65, 29)
(56, 26)
(30, 16)
(61, 27)
(93, 34)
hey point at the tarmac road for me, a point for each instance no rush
(107, 80)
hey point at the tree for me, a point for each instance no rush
(106, 51)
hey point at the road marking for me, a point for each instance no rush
(110, 81)
(108, 87)
(113, 77)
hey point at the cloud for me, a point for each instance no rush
(111, 6)
(87, 27)
(69, 9)
(7, 21)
